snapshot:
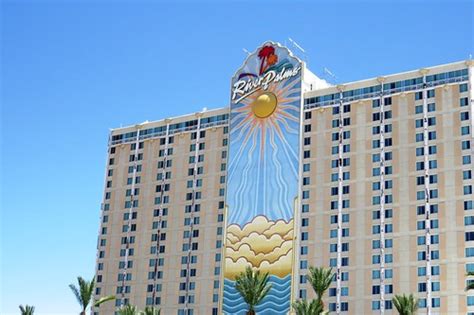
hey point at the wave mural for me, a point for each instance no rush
(262, 182)
(277, 300)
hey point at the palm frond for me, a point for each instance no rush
(128, 310)
(83, 292)
(103, 300)
(320, 279)
(27, 309)
(303, 307)
(252, 286)
(75, 290)
(150, 310)
(405, 304)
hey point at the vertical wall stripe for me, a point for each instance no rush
(160, 213)
(427, 194)
(339, 209)
(193, 202)
(382, 198)
(129, 221)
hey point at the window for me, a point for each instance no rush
(469, 236)
(467, 174)
(467, 190)
(418, 123)
(465, 130)
(419, 151)
(470, 252)
(465, 145)
(468, 205)
(375, 305)
(464, 116)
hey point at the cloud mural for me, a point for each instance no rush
(266, 245)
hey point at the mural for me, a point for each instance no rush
(262, 184)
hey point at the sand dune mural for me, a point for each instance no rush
(266, 245)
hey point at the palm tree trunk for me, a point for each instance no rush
(251, 312)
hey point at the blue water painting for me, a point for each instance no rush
(277, 300)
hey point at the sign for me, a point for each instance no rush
(263, 173)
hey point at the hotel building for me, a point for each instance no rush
(372, 178)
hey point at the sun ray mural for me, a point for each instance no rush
(263, 177)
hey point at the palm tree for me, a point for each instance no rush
(320, 279)
(253, 287)
(128, 310)
(27, 310)
(85, 292)
(470, 284)
(303, 307)
(405, 304)
(150, 310)
(263, 55)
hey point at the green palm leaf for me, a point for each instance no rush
(27, 309)
(405, 304)
(303, 307)
(103, 300)
(253, 287)
(83, 292)
(128, 310)
(320, 279)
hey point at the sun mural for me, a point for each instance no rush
(263, 175)
(268, 111)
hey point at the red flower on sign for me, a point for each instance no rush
(267, 57)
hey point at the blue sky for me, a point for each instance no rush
(71, 70)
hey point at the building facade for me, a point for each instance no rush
(372, 178)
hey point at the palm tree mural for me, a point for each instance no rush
(253, 287)
(405, 304)
(267, 58)
(320, 279)
(84, 293)
(470, 284)
(27, 309)
(303, 307)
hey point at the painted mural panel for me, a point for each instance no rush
(262, 184)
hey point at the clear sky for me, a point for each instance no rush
(72, 70)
